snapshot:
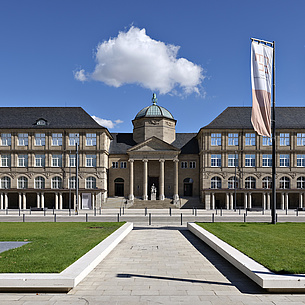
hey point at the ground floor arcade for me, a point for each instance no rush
(231, 199)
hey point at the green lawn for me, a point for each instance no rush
(53, 246)
(280, 247)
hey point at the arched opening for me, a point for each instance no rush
(188, 187)
(119, 187)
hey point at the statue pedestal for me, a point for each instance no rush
(153, 196)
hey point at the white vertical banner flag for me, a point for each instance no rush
(261, 76)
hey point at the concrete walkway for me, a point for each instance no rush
(161, 265)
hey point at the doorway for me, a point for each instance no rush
(188, 187)
(119, 187)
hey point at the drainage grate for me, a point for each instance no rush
(144, 248)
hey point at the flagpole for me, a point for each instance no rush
(273, 206)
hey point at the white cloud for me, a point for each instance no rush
(134, 58)
(106, 123)
(80, 75)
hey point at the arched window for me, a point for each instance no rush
(39, 183)
(284, 183)
(301, 183)
(5, 183)
(90, 183)
(250, 183)
(267, 183)
(232, 183)
(216, 183)
(119, 180)
(56, 182)
(72, 182)
(22, 182)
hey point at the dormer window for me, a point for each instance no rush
(41, 122)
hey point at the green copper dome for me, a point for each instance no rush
(154, 111)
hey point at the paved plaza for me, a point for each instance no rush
(161, 265)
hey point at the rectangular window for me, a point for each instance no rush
(250, 139)
(284, 139)
(90, 139)
(300, 139)
(73, 139)
(284, 160)
(267, 160)
(90, 160)
(56, 139)
(39, 160)
(5, 160)
(301, 160)
(72, 160)
(123, 164)
(250, 161)
(216, 160)
(233, 160)
(233, 139)
(192, 164)
(115, 164)
(22, 160)
(183, 164)
(216, 139)
(6, 139)
(40, 139)
(267, 141)
(23, 139)
(56, 160)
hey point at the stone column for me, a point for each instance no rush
(42, 199)
(1, 201)
(283, 201)
(161, 185)
(245, 200)
(24, 201)
(213, 201)
(131, 180)
(231, 201)
(228, 197)
(300, 200)
(286, 201)
(145, 172)
(56, 201)
(20, 201)
(250, 201)
(268, 201)
(93, 201)
(38, 200)
(176, 180)
(5, 201)
(60, 201)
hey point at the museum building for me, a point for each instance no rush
(225, 165)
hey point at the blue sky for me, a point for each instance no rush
(92, 54)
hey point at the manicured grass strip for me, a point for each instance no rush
(280, 247)
(53, 246)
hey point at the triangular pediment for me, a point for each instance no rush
(153, 144)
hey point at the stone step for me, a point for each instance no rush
(152, 204)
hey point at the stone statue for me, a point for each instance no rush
(153, 192)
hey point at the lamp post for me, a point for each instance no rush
(235, 182)
(69, 181)
(76, 178)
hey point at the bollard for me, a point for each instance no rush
(221, 211)
(216, 211)
(120, 212)
(23, 217)
(297, 212)
(54, 217)
(213, 217)
(181, 220)
(53, 211)
(6, 211)
(30, 210)
(170, 211)
(118, 217)
(246, 212)
(123, 211)
(145, 211)
(69, 212)
(44, 212)
(86, 217)
(100, 210)
(239, 211)
(149, 219)
(94, 211)
(263, 212)
(286, 211)
(275, 217)
(19, 211)
(195, 211)
(245, 215)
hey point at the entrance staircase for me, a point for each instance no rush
(152, 204)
